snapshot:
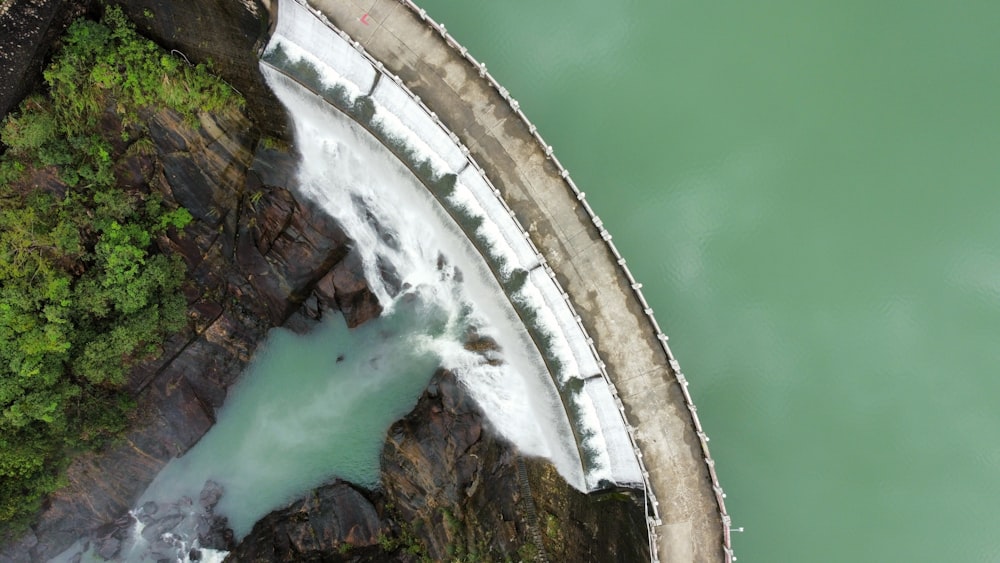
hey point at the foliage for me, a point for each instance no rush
(84, 295)
(406, 540)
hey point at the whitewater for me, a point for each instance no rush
(285, 430)
(303, 44)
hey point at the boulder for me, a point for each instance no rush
(351, 292)
(335, 522)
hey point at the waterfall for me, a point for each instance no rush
(315, 407)
(307, 52)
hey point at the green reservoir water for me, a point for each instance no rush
(809, 192)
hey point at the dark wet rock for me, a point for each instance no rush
(390, 277)
(274, 167)
(335, 522)
(485, 346)
(453, 483)
(311, 307)
(210, 495)
(109, 547)
(28, 32)
(351, 292)
(326, 293)
(287, 249)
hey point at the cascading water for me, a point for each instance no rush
(313, 54)
(317, 406)
(396, 221)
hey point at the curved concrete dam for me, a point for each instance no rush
(686, 511)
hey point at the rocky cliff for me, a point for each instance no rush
(254, 255)
(452, 490)
(259, 257)
(28, 31)
(227, 33)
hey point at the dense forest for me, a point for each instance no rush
(84, 293)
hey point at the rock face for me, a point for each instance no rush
(334, 523)
(253, 260)
(28, 30)
(226, 32)
(467, 492)
(453, 490)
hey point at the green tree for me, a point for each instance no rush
(84, 293)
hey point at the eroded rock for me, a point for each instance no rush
(335, 522)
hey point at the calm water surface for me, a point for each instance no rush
(809, 193)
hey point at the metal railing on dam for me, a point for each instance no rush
(642, 436)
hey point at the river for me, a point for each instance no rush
(808, 192)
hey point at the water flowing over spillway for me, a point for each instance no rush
(308, 50)
(395, 220)
(446, 266)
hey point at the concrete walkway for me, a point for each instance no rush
(691, 527)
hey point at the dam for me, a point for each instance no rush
(633, 421)
(686, 511)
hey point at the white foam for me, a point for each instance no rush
(623, 467)
(393, 218)
(407, 118)
(300, 32)
(213, 556)
(404, 120)
(476, 194)
(563, 322)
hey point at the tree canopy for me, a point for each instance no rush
(84, 294)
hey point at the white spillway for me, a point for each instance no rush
(402, 116)
(399, 118)
(474, 193)
(565, 324)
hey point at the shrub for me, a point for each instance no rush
(84, 295)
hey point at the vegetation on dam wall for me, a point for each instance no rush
(84, 294)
